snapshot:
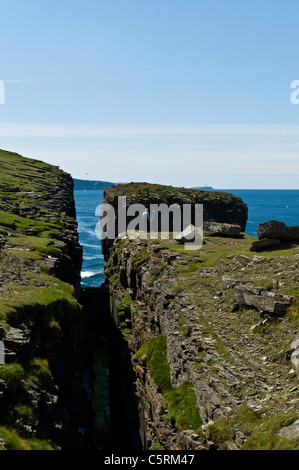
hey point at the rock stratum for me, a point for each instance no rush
(211, 337)
(43, 403)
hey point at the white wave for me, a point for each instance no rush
(90, 258)
(90, 246)
(89, 273)
(89, 231)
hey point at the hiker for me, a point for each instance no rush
(145, 220)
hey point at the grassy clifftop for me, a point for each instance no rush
(36, 221)
(163, 193)
(217, 205)
(40, 261)
(32, 188)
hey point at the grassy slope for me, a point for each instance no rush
(28, 230)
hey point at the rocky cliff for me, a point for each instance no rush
(43, 329)
(210, 335)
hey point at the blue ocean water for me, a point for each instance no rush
(92, 273)
(269, 204)
(263, 205)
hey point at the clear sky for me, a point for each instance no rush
(185, 93)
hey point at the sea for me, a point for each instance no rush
(263, 205)
(87, 203)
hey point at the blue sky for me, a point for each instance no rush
(182, 93)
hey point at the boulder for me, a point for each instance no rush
(295, 360)
(277, 230)
(222, 229)
(228, 283)
(259, 245)
(295, 355)
(262, 299)
(290, 432)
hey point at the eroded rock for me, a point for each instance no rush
(262, 299)
(222, 229)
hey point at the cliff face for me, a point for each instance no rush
(210, 372)
(42, 325)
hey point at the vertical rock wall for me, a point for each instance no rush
(43, 327)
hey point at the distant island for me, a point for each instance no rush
(88, 185)
(207, 188)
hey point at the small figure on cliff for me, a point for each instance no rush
(145, 220)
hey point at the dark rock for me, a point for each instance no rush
(259, 245)
(278, 230)
(189, 440)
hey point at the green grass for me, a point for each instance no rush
(155, 351)
(24, 414)
(38, 371)
(29, 239)
(168, 194)
(192, 267)
(39, 244)
(182, 410)
(293, 310)
(114, 279)
(261, 431)
(11, 440)
(19, 224)
(140, 258)
(13, 375)
(53, 296)
(217, 248)
(180, 402)
(125, 301)
(30, 172)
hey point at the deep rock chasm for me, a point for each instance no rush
(178, 350)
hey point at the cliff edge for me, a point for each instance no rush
(42, 328)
